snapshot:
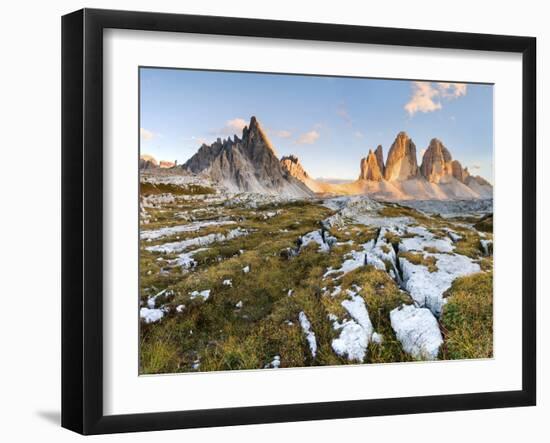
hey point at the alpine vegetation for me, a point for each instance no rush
(251, 260)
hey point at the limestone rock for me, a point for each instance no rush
(248, 164)
(457, 171)
(437, 162)
(417, 330)
(479, 180)
(401, 163)
(147, 161)
(379, 152)
(479, 185)
(370, 169)
(164, 164)
(292, 165)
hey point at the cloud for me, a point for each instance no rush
(358, 134)
(422, 99)
(343, 112)
(308, 138)
(475, 166)
(146, 134)
(234, 126)
(282, 133)
(428, 97)
(452, 90)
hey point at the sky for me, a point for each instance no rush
(329, 123)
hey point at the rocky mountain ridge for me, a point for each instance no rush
(401, 162)
(439, 176)
(147, 161)
(370, 168)
(294, 167)
(250, 164)
(437, 164)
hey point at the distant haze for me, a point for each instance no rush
(334, 180)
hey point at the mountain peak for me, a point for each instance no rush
(291, 158)
(247, 164)
(250, 164)
(253, 126)
(147, 161)
(370, 169)
(379, 152)
(254, 135)
(401, 163)
(292, 165)
(437, 162)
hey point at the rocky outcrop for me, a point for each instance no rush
(438, 166)
(401, 163)
(457, 171)
(247, 164)
(481, 186)
(206, 154)
(164, 164)
(250, 164)
(147, 161)
(436, 162)
(379, 152)
(438, 177)
(479, 180)
(370, 168)
(292, 165)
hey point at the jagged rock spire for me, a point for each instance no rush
(370, 168)
(147, 161)
(437, 162)
(248, 164)
(379, 152)
(254, 135)
(457, 171)
(401, 163)
(292, 165)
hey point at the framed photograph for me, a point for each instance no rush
(269, 221)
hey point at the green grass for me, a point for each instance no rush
(432, 250)
(396, 210)
(486, 263)
(485, 224)
(420, 259)
(467, 318)
(221, 336)
(225, 337)
(158, 350)
(394, 239)
(469, 245)
(147, 188)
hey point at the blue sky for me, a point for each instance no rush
(330, 123)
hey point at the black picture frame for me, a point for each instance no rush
(82, 220)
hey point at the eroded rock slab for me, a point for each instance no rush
(426, 288)
(355, 333)
(417, 330)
